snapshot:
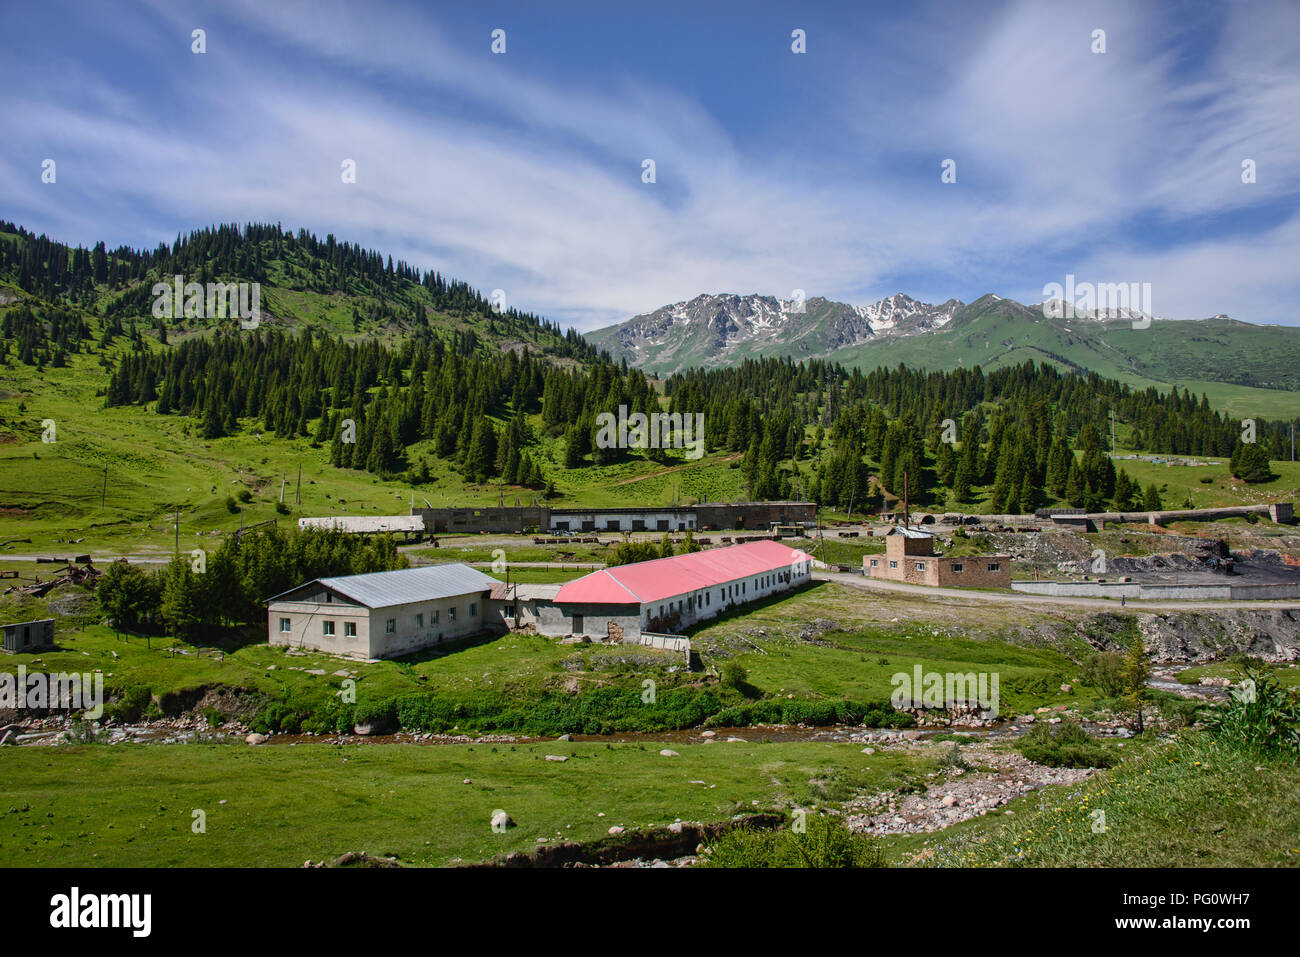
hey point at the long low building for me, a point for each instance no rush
(383, 614)
(667, 594)
(649, 518)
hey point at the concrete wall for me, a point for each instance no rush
(665, 642)
(596, 620)
(510, 519)
(306, 619)
(457, 617)
(1136, 590)
(751, 515)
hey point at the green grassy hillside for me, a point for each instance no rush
(1244, 369)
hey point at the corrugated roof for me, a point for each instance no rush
(663, 578)
(909, 532)
(366, 523)
(524, 592)
(426, 583)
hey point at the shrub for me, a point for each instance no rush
(827, 842)
(130, 704)
(734, 675)
(1264, 716)
(1105, 672)
(1065, 745)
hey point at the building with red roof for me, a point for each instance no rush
(668, 594)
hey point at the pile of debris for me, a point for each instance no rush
(86, 574)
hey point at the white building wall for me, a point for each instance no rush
(701, 605)
(442, 620)
(307, 627)
(373, 640)
(648, 521)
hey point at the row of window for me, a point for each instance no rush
(920, 566)
(390, 626)
(725, 593)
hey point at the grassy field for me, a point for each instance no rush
(131, 805)
(1191, 803)
(116, 477)
(1195, 803)
(855, 658)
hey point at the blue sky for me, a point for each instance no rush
(775, 171)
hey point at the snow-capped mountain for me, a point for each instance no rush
(725, 328)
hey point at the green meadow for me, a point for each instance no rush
(279, 805)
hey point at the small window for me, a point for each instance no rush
(419, 620)
(957, 566)
(893, 564)
(284, 625)
(920, 566)
(433, 616)
(875, 563)
(390, 628)
(327, 628)
(994, 566)
(451, 615)
(473, 609)
(349, 629)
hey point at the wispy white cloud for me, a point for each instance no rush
(470, 164)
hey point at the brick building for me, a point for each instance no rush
(909, 557)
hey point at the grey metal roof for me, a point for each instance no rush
(910, 532)
(425, 583)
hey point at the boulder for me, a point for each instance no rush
(556, 757)
(255, 738)
(501, 820)
(669, 753)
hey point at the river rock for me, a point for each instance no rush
(617, 829)
(501, 820)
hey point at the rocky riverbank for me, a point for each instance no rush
(957, 793)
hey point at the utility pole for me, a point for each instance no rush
(283, 481)
(906, 519)
(1112, 433)
(298, 491)
(178, 531)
